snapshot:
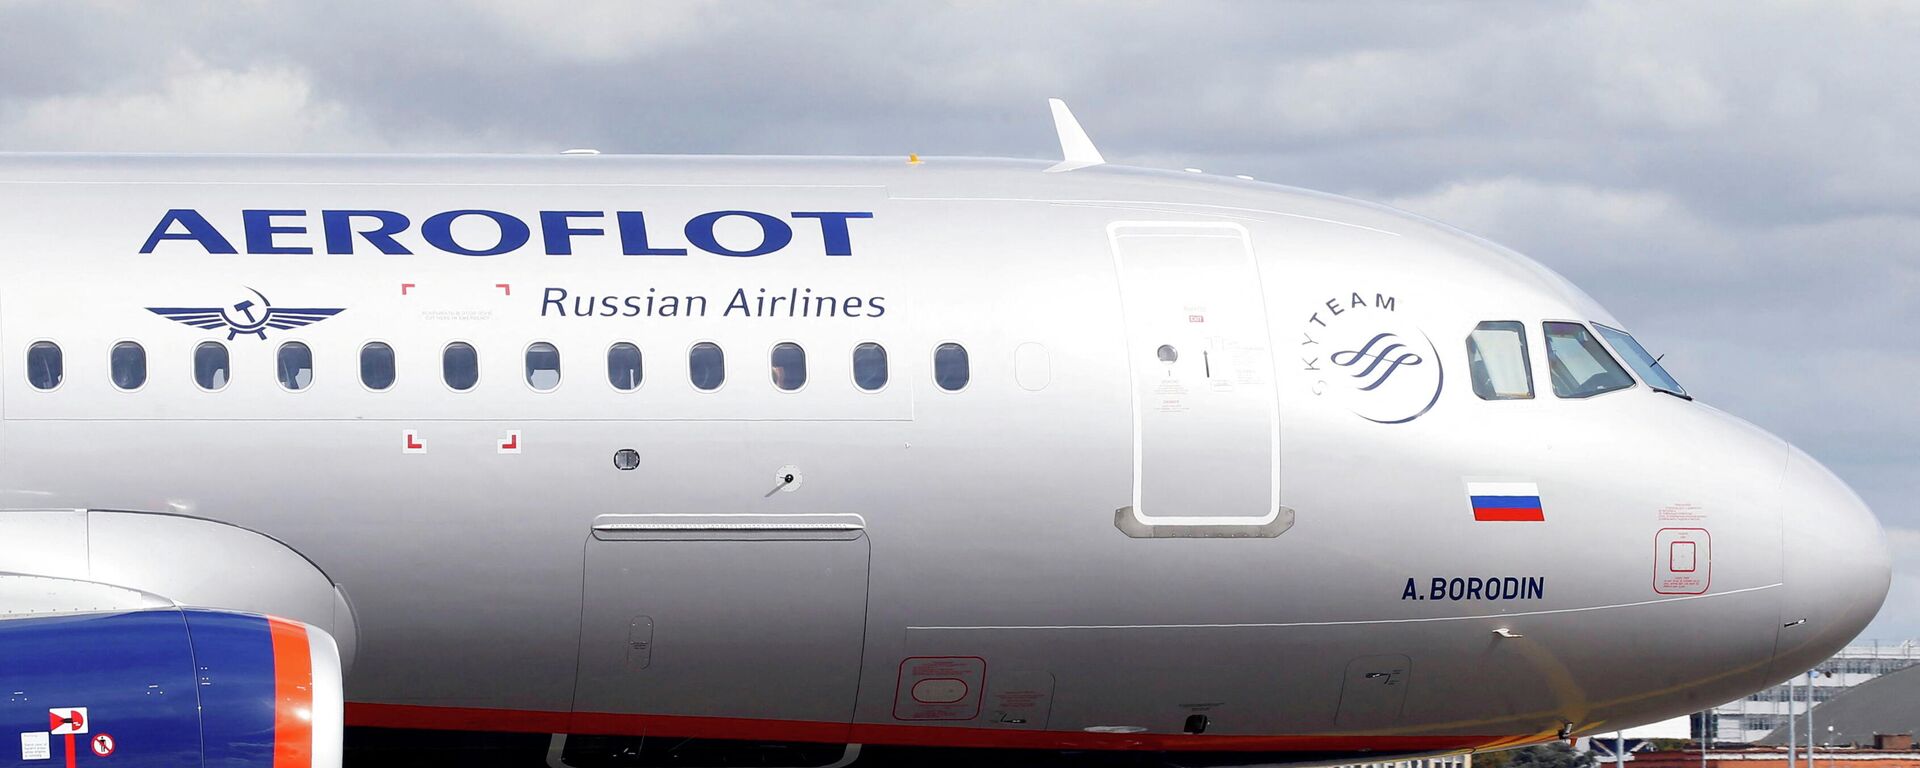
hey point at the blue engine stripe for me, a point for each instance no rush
(1506, 502)
(233, 661)
(132, 671)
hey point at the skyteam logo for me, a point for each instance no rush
(1360, 352)
(247, 316)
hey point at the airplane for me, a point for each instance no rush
(786, 461)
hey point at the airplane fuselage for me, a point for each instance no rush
(1208, 472)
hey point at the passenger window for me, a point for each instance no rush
(460, 366)
(950, 367)
(1579, 366)
(543, 366)
(294, 366)
(127, 364)
(706, 366)
(1642, 363)
(870, 366)
(623, 367)
(45, 368)
(210, 369)
(1497, 361)
(377, 370)
(789, 366)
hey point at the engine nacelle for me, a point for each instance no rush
(170, 687)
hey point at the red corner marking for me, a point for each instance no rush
(509, 444)
(404, 287)
(410, 442)
(505, 287)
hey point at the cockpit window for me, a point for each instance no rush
(1642, 363)
(1497, 361)
(1579, 366)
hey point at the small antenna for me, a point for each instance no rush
(1076, 149)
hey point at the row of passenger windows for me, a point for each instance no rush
(1577, 363)
(460, 366)
(1497, 356)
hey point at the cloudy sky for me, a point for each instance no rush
(1739, 182)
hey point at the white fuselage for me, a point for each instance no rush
(1176, 481)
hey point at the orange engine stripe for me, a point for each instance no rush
(292, 695)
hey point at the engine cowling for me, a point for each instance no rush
(170, 686)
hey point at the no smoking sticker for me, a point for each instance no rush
(103, 745)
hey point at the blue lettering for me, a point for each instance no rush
(774, 233)
(338, 228)
(197, 229)
(438, 231)
(260, 231)
(341, 231)
(633, 236)
(558, 231)
(554, 301)
(833, 228)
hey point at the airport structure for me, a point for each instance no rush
(1890, 751)
(1751, 719)
(1887, 707)
(1445, 761)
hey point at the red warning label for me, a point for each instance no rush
(1682, 561)
(67, 720)
(940, 688)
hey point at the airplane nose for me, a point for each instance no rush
(1836, 565)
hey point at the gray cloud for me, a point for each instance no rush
(1740, 182)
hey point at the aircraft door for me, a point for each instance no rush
(741, 616)
(1206, 428)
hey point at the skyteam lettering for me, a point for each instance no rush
(480, 232)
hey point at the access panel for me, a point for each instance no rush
(735, 616)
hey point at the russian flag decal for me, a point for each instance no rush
(1506, 502)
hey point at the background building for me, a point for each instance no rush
(1886, 708)
(1753, 718)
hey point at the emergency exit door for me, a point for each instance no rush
(1206, 432)
(736, 616)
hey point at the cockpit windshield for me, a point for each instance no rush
(1642, 363)
(1579, 366)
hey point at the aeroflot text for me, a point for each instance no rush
(479, 232)
(1479, 588)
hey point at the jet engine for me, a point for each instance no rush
(169, 686)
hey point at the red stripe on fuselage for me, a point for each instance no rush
(292, 695)
(746, 729)
(1510, 514)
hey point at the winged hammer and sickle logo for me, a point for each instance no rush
(247, 316)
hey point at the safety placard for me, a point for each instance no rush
(67, 720)
(1682, 561)
(940, 688)
(102, 745)
(34, 745)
